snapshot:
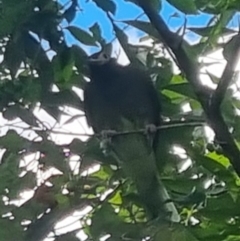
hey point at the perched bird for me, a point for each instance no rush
(123, 98)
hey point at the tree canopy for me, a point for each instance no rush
(53, 167)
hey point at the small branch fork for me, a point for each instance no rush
(210, 100)
(227, 76)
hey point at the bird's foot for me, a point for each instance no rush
(106, 139)
(150, 129)
(106, 134)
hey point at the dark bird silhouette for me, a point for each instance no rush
(123, 98)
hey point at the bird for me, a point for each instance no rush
(123, 98)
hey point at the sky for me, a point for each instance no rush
(90, 14)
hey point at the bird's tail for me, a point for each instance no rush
(137, 158)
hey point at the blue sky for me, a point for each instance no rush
(91, 14)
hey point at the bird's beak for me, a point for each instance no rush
(101, 57)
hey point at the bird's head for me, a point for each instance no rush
(101, 64)
(102, 57)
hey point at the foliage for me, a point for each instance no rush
(37, 75)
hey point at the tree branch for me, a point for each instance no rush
(174, 42)
(228, 73)
(190, 68)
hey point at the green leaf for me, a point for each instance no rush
(70, 13)
(9, 172)
(183, 89)
(65, 97)
(156, 4)
(80, 59)
(106, 5)
(176, 232)
(164, 77)
(13, 142)
(52, 155)
(206, 31)
(14, 55)
(83, 36)
(230, 48)
(116, 199)
(186, 6)
(39, 60)
(128, 49)
(112, 223)
(7, 227)
(101, 174)
(96, 31)
(144, 26)
(219, 159)
(63, 64)
(26, 115)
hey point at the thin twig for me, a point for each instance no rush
(163, 126)
(229, 71)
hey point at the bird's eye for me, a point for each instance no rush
(105, 56)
